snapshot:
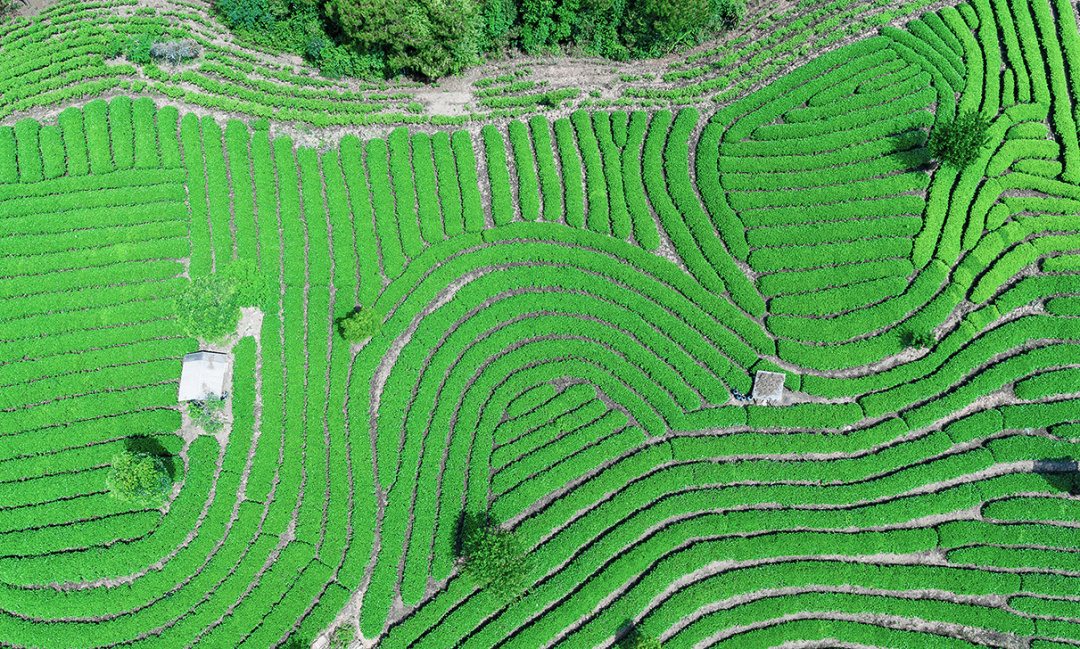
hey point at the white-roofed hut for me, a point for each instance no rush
(203, 375)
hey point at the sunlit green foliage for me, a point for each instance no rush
(138, 478)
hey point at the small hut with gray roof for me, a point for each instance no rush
(203, 376)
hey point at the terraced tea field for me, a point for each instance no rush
(571, 305)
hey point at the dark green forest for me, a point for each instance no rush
(428, 39)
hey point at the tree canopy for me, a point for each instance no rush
(430, 37)
(434, 38)
(494, 559)
(957, 143)
(139, 478)
(359, 325)
(209, 307)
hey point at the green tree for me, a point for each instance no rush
(431, 38)
(672, 19)
(957, 143)
(139, 478)
(209, 307)
(359, 325)
(493, 558)
(635, 639)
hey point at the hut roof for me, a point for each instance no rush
(203, 375)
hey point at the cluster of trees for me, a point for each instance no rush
(432, 38)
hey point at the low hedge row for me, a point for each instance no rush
(598, 217)
(236, 144)
(1026, 558)
(573, 183)
(382, 199)
(864, 189)
(70, 121)
(810, 573)
(560, 438)
(528, 401)
(645, 231)
(765, 260)
(892, 71)
(502, 196)
(1047, 384)
(404, 191)
(427, 192)
(778, 631)
(545, 405)
(900, 103)
(831, 141)
(525, 166)
(550, 185)
(765, 105)
(313, 223)
(360, 203)
(95, 115)
(880, 62)
(814, 279)
(888, 88)
(293, 267)
(201, 263)
(707, 161)
(670, 218)
(992, 379)
(471, 206)
(450, 194)
(677, 171)
(121, 132)
(613, 175)
(147, 155)
(29, 150)
(833, 300)
(749, 341)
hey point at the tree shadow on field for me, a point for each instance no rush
(1060, 473)
(469, 522)
(630, 636)
(294, 642)
(909, 147)
(145, 444)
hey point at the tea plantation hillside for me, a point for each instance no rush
(572, 309)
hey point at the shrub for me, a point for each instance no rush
(493, 559)
(139, 478)
(916, 339)
(342, 637)
(173, 51)
(359, 324)
(958, 142)
(138, 48)
(207, 413)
